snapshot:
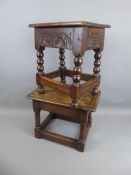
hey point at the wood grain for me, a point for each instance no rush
(69, 24)
(88, 101)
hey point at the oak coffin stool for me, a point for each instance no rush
(76, 101)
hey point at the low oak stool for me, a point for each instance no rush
(76, 101)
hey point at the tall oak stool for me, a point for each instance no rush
(73, 102)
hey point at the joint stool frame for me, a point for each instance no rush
(75, 36)
(72, 102)
(81, 117)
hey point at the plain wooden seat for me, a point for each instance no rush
(87, 101)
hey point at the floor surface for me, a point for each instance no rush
(108, 148)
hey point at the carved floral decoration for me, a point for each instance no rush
(59, 40)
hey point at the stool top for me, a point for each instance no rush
(69, 24)
(87, 102)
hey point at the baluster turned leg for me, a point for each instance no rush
(37, 119)
(62, 65)
(96, 69)
(84, 127)
(40, 67)
(90, 119)
(76, 81)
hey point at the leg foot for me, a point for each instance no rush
(37, 133)
(81, 146)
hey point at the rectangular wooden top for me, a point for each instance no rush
(87, 102)
(69, 24)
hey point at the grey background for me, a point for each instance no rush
(17, 52)
(108, 149)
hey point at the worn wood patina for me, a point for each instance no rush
(75, 101)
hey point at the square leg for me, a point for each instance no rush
(81, 117)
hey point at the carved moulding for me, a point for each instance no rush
(56, 40)
(95, 39)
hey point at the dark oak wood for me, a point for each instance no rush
(43, 80)
(76, 101)
(69, 24)
(90, 84)
(84, 76)
(96, 69)
(77, 36)
(40, 66)
(56, 99)
(53, 74)
(75, 94)
(79, 116)
(45, 123)
(62, 65)
(60, 111)
(59, 138)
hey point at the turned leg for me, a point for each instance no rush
(82, 138)
(40, 67)
(84, 127)
(62, 65)
(37, 119)
(76, 81)
(90, 119)
(96, 69)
